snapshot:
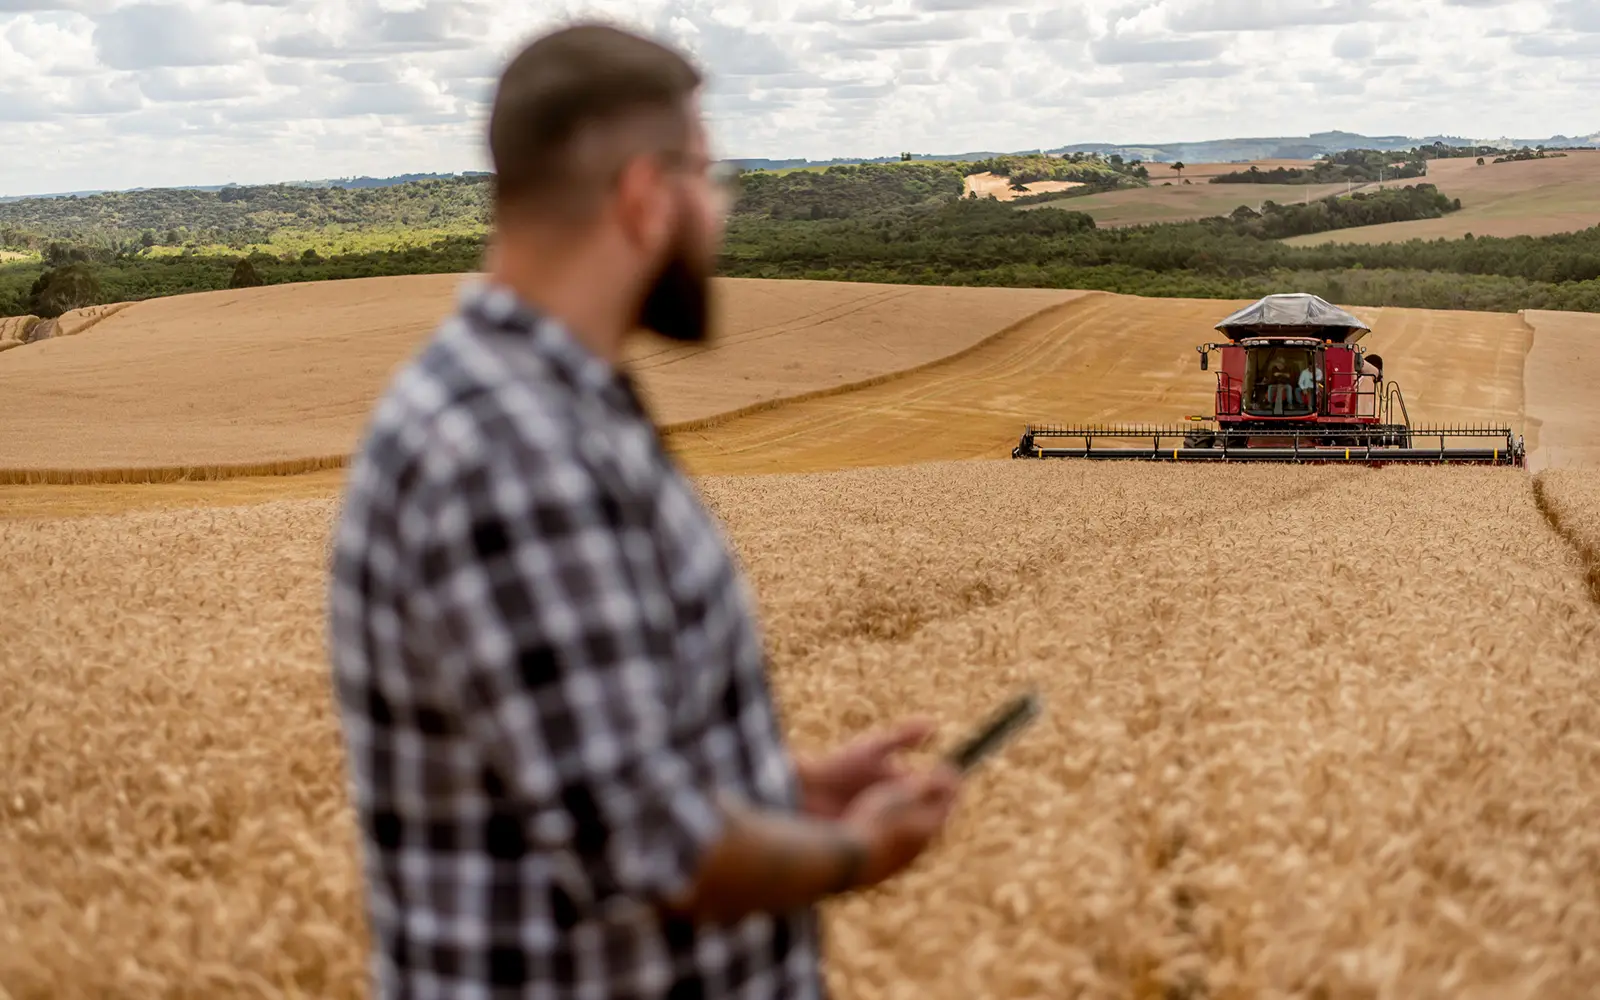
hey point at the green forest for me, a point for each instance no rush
(904, 222)
(272, 218)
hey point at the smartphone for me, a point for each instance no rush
(997, 731)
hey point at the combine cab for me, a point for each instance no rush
(1294, 384)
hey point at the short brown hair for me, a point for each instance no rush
(565, 84)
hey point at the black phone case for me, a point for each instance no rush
(996, 732)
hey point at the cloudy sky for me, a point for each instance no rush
(126, 93)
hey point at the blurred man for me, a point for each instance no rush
(569, 773)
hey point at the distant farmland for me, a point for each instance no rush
(1527, 198)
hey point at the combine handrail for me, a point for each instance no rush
(1389, 401)
(1229, 401)
(1356, 394)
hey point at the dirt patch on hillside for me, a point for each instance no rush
(998, 187)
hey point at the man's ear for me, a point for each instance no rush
(641, 205)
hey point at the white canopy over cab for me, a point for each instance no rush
(1296, 314)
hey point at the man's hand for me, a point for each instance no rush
(898, 818)
(830, 784)
(772, 862)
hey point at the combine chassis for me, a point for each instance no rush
(1380, 444)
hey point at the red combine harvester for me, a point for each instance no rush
(1293, 385)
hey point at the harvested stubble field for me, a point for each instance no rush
(1089, 357)
(277, 379)
(1527, 198)
(1559, 374)
(1285, 754)
(1184, 202)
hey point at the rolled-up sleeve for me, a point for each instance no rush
(550, 619)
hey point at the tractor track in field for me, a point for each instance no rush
(1588, 556)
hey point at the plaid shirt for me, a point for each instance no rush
(546, 664)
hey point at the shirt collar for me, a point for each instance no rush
(495, 307)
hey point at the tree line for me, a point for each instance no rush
(38, 290)
(909, 222)
(1236, 256)
(132, 221)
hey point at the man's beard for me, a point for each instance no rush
(678, 304)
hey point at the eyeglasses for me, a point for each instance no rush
(726, 176)
(723, 175)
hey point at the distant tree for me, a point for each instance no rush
(62, 254)
(63, 289)
(147, 239)
(905, 157)
(310, 256)
(1178, 167)
(244, 275)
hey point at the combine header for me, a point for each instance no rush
(1293, 385)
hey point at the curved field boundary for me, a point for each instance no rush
(140, 475)
(68, 325)
(169, 473)
(706, 423)
(17, 330)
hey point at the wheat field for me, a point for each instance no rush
(1281, 756)
(1326, 733)
(280, 379)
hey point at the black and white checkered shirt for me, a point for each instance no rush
(547, 663)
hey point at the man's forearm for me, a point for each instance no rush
(773, 862)
(815, 797)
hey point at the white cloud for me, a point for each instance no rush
(128, 93)
(1354, 43)
(1268, 15)
(1123, 49)
(146, 35)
